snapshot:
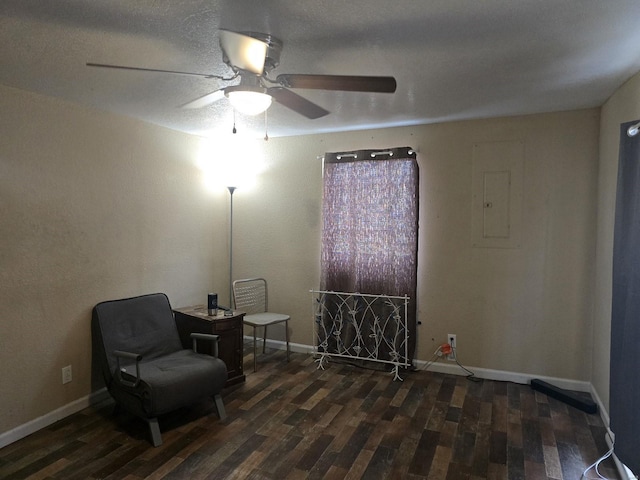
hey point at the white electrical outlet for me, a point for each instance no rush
(66, 374)
(451, 340)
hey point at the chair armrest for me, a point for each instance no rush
(129, 356)
(206, 336)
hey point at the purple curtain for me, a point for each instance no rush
(370, 225)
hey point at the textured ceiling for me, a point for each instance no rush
(452, 59)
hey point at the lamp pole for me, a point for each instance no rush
(231, 190)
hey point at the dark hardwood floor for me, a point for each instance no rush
(291, 421)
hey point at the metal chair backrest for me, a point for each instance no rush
(250, 295)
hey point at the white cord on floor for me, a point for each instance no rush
(432, 360)
(438, 353)
(597, 463)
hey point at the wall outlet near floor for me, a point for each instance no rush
(451, 340)
(66, 374)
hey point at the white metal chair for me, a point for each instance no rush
(250, 296)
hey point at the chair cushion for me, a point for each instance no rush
(265, 318)
(171, 381)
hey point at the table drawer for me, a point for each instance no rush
(223, 325)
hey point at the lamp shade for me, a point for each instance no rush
(248, 100)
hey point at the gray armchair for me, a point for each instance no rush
(144, 366)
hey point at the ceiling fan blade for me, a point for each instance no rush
(140, 69)
(205, 100)
(243, 52)
(297, 103)
(338, 82)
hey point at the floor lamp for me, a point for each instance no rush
(231, 190)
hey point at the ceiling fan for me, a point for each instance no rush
(252, 57)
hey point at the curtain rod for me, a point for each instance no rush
(347, 155)
(373, 154)
(633, 130)
(399, 152)
(386, 152)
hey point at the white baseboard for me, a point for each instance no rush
(280, 345)
(603, 411)
(504, 375)
(454, 369)
(52, 417)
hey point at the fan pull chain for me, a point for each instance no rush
(234, 121)
(266, 135)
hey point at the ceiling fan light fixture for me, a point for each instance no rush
(248, 100)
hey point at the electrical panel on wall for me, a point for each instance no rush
(497, 194)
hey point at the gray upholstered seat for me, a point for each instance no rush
(144, 365)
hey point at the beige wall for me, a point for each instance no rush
(97, 207)
(93, 207)
(523, 310)
(623, 106)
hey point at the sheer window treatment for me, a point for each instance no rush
(370, 225)
(624, 382)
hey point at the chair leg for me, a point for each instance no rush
(255, 363)
(286, 336)
(154, 429)
(264, 339)
(220, 407)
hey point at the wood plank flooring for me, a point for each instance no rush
(292, 421)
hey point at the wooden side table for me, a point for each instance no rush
(196, 320)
